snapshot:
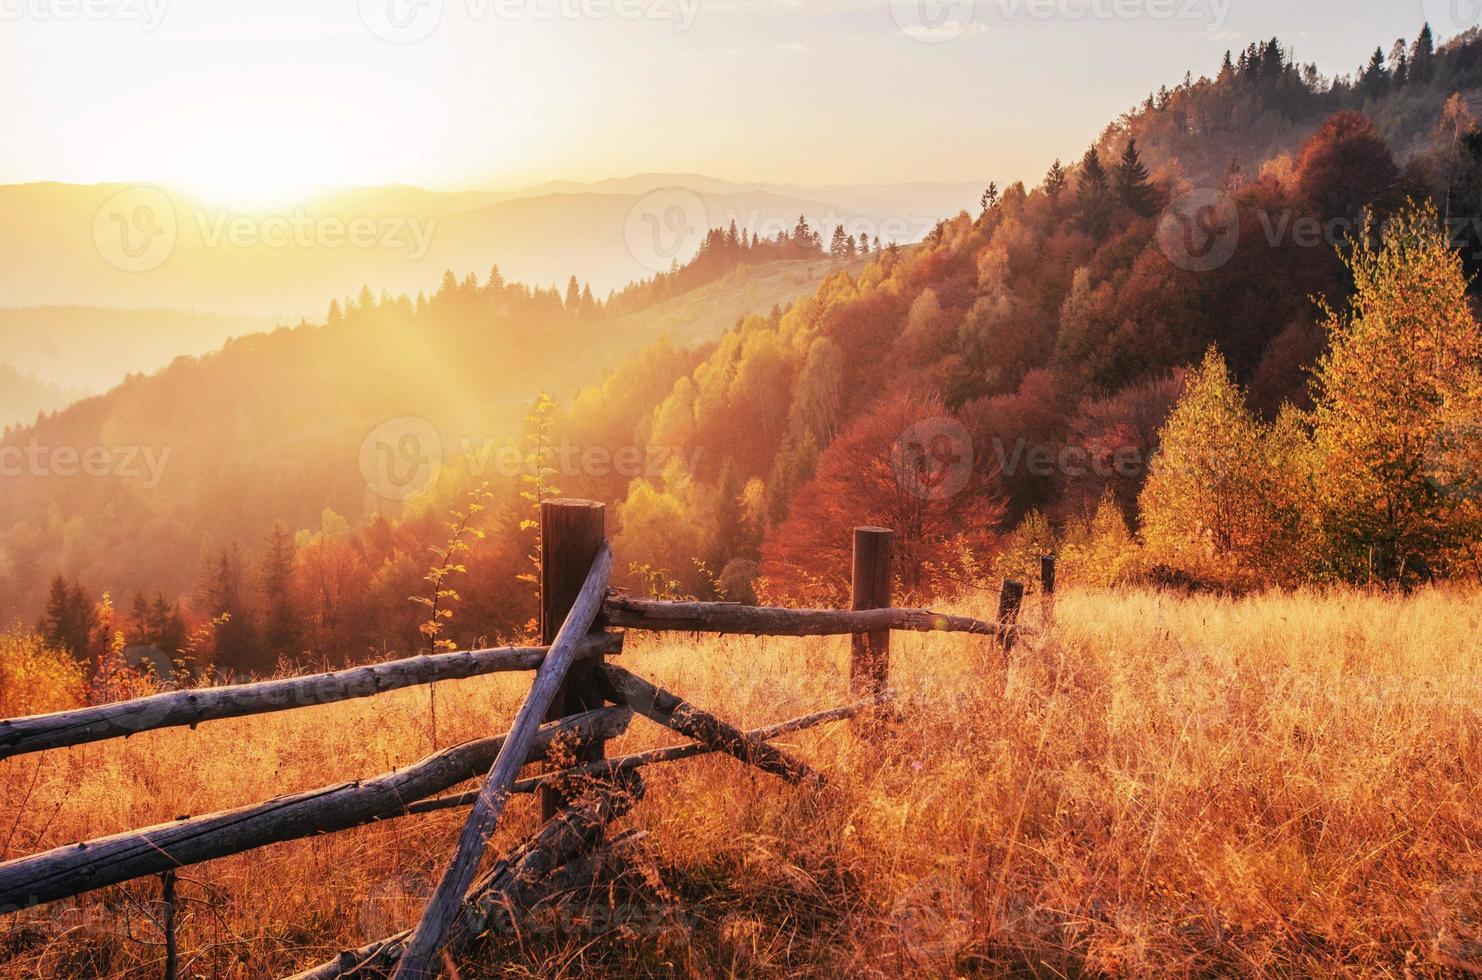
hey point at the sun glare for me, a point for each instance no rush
(255, 181)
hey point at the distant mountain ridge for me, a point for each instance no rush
(23, 397)
(125, 246)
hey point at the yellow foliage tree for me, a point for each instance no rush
(1202, 510)
(1399, 396)
(35, 679)
(1100, 553)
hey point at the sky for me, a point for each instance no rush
(294, 96)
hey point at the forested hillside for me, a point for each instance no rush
(1029, 358)
(202, 461)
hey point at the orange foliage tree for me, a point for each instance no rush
(906, 466)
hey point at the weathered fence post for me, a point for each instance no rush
(571, 534)
(1010, 601)
(1047, 589)
(167, 925)
(869, 662)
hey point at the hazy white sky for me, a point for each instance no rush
(297, 94)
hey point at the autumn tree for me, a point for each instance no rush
(1398, 398)
(905, 465)
(663, 531)
(1347, 167)
(1203, 511)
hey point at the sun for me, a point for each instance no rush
(255, 181)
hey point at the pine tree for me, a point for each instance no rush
(864, 244)
(166, 626)
(801, 233)
(731, 538)
(1094, 194)
(1399, 63)
(236, 646)
(1133, 187)
(1423, 56)
(496, 279)
(139, 621)
(334, 317)
(1374, 80)
(1055, 184)
(989, 200)
(70, 618)
(839, 247)
(573, 297)
(281, 626)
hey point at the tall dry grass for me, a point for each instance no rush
(1279, 785)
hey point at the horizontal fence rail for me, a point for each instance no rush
(179, 709)
(734, 619)
(78, 868)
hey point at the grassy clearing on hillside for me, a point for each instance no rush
(1280, 785)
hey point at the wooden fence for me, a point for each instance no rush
(578, 700)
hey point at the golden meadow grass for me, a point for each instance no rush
(1277, 785)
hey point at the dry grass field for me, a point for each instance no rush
(1283, 785)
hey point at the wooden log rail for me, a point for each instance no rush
(672, 753)
(732, 619)
(78, 868)
(672, 711)
(179, 709)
